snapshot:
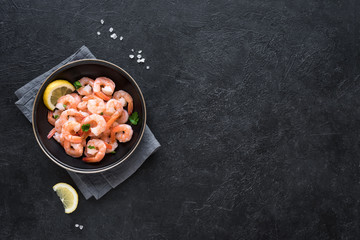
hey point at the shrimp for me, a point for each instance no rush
(104, 88)
(112, 119)
(59, 138)
(122, 94)
(73, 149)
(69, 131)
(51, 133)
(106, 137)
(97, 124)
(95, 150)
(82, 106)
(94, 104)
(112, 106)
(67, 115)
(66, 102)
(87, 86)
(122, 132)
(53, 116)
(123, 118)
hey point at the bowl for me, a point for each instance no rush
(72, 72)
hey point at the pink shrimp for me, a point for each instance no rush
(66, 116)
(95, 150)
(73, 149)
(69, 131)
(53, 116)
(112, 106)
(87, 86)
(59, 138)
(104, 88)
(106, 137)
(95, 104)
(66, 102)
(122, 94)
(122, 132)
(97, 124)
(124, 117)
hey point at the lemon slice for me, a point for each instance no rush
(67, 195)
(54, 91)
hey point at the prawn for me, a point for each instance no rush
(69, 131)
(87, 86)
(67, 115)
(66, 102)
(112, 106)
(122, 132)
(122, 94)
(106, 137)
(104, 87)
(97, 124)
(95, 150)
(76, 97)
(73, 149)
(94, 104)
(52, 115)
(123, 118)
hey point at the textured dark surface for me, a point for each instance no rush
(255, 103)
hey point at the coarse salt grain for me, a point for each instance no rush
(147, 67)
(98, 33)
(141, 60)
(113, 36)
(81, 227)
(131, 56)
(138, 56)
(140, 51)
(111, 29)
(102, 21)
(121, 38)
(76, 225)
(132, 50)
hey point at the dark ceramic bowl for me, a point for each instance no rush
(72, 72)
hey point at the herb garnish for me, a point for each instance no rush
(134, 118)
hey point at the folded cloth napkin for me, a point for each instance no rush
(97, 184)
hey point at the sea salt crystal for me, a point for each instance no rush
(147, 67)
(132, 50)
(140, 51)
(81, 227)
(111, 29)
(98, 33)
(113, 36)
(76, 225)
(121, 38)
(141, 60)
(102, 21)
(131, 56)
(138, 56)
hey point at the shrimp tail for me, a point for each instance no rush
(115, 116)
(51, 133)
(108, 146)
(102, 96)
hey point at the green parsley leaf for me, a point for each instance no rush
(101, 113)
(134, 118)
(56, 116)
(91, 147)
(85, 127)
(77, 85)
(64, 106)
(113, 152)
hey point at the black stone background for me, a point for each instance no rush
(255, 103)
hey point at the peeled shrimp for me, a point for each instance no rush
(67, 115)
(106, 137)
(69, 131)
(66, 102)
(87, 86)
(97, 124)
(122, 94)
(96, 154)
(122, 132)
(76, 97)
(124, 117)
(112, 106)
(104, 88)
(94, 104)
(51, 116)
(73, 149)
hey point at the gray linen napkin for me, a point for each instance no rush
(97, 184)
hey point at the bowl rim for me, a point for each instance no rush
(89, 171)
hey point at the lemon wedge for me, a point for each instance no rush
(67, 195)
(54, 91)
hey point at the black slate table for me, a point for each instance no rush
(255, 103)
